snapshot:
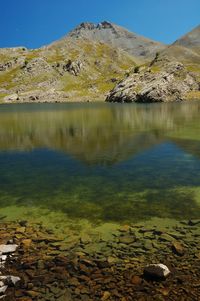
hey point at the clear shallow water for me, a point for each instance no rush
(80, 164)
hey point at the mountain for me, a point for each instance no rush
(117, 36)
(186, 49)
(191, 40)
(90, 61)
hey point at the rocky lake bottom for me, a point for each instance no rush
(87, 268)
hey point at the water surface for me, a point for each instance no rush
(95, 164)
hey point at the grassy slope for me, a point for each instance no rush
(101, 63)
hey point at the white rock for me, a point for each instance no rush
(3, 257)
(1, 283)
(3, 289)
(5, 249)
(157, 270)
(13, 279)
(9, 280)
(12, 97)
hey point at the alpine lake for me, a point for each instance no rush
(114, 181)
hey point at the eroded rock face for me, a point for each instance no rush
(170, 84)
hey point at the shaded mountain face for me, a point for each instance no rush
(117, 36)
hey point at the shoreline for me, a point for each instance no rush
(99, 99)
(96, 269)
(94, 101)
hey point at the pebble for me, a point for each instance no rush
(136, 280)
(106, 296)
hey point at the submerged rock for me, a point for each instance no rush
(172, 83)
(156, 271)
(177, 248)
(5, 249)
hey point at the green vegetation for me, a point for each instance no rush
(7, 78)
(102, 67)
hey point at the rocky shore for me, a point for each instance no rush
(36, 264)
(172, 83)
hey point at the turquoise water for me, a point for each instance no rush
(101, 163)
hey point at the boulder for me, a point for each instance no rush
(172, 83)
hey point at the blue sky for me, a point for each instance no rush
(33, 23)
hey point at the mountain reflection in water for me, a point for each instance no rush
(102, 162)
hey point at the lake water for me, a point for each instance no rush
(84, 166)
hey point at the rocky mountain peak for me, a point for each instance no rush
(89, 26)
(85, 25)
(105, 24)
(117, 36)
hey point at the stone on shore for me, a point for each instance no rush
(159, 271)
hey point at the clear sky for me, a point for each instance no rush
(33, 23)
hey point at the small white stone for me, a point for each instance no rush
(3, 257)
(5, 249)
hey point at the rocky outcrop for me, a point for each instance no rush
(170, 84)
(11, 64)
(36, 66)
(73, 67)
